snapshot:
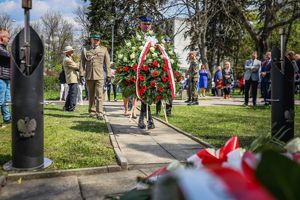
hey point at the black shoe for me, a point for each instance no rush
(141, 124)
(151, 124)
(187, 101)
(195, 103)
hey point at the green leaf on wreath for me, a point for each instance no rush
(280, 175)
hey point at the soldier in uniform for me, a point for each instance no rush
(93, 59)
(145, 27)
(71, 73)
(193, 78)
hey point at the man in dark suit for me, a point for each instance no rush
(252, 67)
(265, 74)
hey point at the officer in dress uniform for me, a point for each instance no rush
(193, 78)
(145, 27)
(93, 59)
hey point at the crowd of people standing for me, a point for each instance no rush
(256, 75)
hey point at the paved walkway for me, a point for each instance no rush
(156, 146)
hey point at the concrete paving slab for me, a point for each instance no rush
(97, 186)
(144, 157)
(63, 188)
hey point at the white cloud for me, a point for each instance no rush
(40, 7)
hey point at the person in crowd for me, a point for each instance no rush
(63, 86)
(218, 81)
(70, 68)
(93, 59)
(5, 73)
(203, 80)
(80, 87)
(112, 85)
(265, 74)
(186, 86)
(242, 84)
(251, 76)
(193, 77)
(227, 79)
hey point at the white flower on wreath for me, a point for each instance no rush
(152, 49)
(170, 52)
(120, 56)
(162, 56)
(154, 55)
(141, 48)
(151, 33)
(133, 48)
(138, 37)
(172, 61)
(163, 41)
(128, 44)
(125, 59)
(132, 56)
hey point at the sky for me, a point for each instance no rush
(39, 7)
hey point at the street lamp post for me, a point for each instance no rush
(112, 39)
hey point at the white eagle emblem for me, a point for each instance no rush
(26, 127)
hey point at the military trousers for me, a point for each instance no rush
(193, 93)
(96, 98)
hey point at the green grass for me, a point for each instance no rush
(216, 124)
(72, 140)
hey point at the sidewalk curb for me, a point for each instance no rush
(205, 144)
(62, 173)
(121, 159)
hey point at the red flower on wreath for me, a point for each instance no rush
(160, 89)
(158, 97)
(155, 63)
(142, 78)
(143, 89)
(176, 74)
(126, 69)
(164, 79)
(179, 79)
(153, 83)
(132, 79)
(155, 73)
(146, 68)
(119, 69)
(134, 67)
(165, 68)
